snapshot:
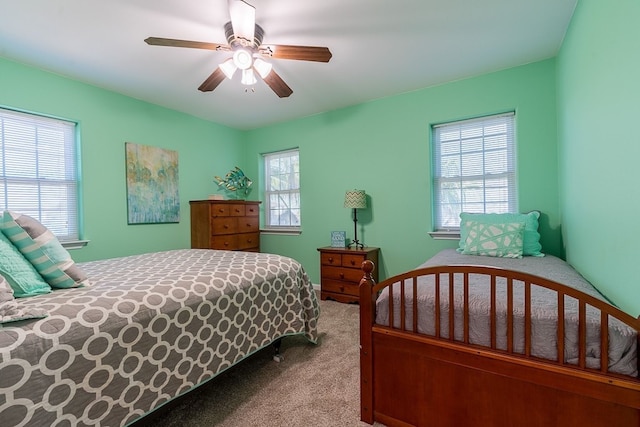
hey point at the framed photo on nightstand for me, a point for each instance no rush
(338, 239)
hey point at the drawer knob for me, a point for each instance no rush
(353, 262)
(342, 275)
(341, 288)
(226, 226)
(331, 260)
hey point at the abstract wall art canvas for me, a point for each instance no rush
(152, 185)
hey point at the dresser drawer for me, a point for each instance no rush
(248, 224)
(252, 210)
(224, 225)
(229, 242)
(339, 287)
(236, 210)
(340, 273)
(219, 210)
(248, 240)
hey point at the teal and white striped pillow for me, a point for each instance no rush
(497, 240)
(38, 244)
(18, 271)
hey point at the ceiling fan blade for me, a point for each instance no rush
(303, 53)
(243, 19)
(212, 81)
(275, 82)
(158, 41)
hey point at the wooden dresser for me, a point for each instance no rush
(225, 224)
(340, 272)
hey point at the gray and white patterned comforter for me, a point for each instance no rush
(151, 328)
(622, 339)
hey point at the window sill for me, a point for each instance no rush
(445, 235)
(282, 231)
(74, 244)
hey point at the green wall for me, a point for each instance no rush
(108, 120)
(380, 146)
(598, 92)
(383, 147)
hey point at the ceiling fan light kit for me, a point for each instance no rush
(244, 39)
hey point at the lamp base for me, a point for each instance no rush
(357, 244)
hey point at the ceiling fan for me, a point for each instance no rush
(244, 41)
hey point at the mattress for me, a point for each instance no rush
(151, 328)
(622, 339)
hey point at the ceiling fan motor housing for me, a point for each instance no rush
(235, 42)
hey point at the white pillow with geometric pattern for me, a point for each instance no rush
(497, 240)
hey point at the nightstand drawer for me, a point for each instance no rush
(340, 273)
(344, 260)
(353, 261)
(330, 259)
(344, 288)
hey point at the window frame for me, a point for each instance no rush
(292, 191)
(41, 133)
(440, 230)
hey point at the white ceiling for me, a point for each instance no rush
(380, 48)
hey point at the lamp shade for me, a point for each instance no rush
(355, 199)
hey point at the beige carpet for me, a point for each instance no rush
(316, 385)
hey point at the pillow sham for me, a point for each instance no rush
(38, 244)
(18, 271)
(10, 310)
(497, 240)
(531, 238)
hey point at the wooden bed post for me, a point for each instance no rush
(367, 310)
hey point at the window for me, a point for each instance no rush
(474, 169)
(38, 170)
(282, 189)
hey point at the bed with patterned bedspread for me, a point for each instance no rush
(150, 328)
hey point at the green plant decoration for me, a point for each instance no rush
(235, 181)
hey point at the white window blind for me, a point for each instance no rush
(38, 170)
(282, 189)
(474, 167)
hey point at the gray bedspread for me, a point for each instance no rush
(622, 339)
(151, 328)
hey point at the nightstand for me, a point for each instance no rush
(340, 272)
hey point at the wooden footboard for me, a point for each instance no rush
(412, 379)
